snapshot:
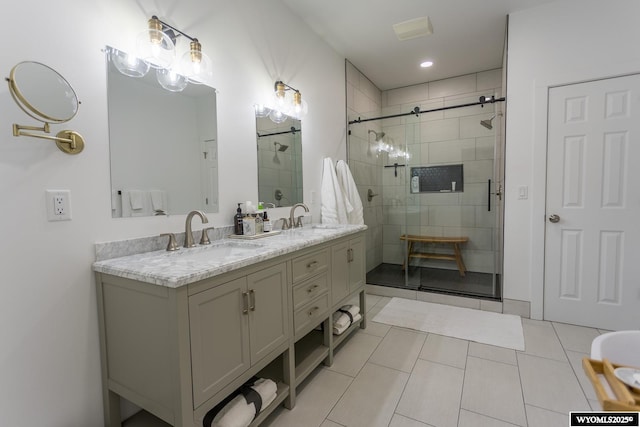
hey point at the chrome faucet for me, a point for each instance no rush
(292, 222)
(188, 235)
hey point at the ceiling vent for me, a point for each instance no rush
(413, 28)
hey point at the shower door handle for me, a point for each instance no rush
(489, 193)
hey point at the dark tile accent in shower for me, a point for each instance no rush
(438, 280)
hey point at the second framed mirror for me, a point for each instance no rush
(279, 161)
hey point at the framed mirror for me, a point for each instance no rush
(163, 146)
(279, 161)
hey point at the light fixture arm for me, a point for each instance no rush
(164, 24)
(287, 87)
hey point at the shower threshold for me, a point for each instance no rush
(437, 280)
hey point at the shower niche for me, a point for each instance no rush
(437, 179)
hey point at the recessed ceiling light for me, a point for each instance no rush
(426, 64)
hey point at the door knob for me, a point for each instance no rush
(554, 218)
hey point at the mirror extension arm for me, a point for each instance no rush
(68, 141)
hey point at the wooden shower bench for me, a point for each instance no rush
(455, 241)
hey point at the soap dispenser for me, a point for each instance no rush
(237, 221)
(266, 222)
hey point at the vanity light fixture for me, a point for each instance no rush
(155, 45)
(156, 48)
(286, 102)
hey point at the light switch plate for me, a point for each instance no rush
(523, 192)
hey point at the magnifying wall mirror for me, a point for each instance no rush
(279, 161)
(163, 146)
(46, 96)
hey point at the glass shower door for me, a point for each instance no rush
(439, 211)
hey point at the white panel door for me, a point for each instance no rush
(592, 246)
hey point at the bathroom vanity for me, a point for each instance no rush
(180, 331)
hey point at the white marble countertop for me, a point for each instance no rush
(188, 265)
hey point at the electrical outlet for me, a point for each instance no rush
(58, 205)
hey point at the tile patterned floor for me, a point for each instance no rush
(393, 377)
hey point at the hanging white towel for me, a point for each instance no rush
(350, 190)
(136, 198)
(334, 205)
(158, 200)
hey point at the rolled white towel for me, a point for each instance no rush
(341, 318)
(340, 330)
(239, 413)
(235, 414)
(266, 388)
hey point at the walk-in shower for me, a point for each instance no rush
(437, 225)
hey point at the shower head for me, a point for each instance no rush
(378, 135)
(282, 147)
(487, 123)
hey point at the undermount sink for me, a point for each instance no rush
(620, 347)
(327, 226)
(221, 249)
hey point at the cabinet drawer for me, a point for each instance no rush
(316, 310)
(306, 291)
(308, 265)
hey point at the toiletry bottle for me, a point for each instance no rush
(259, 224)
(237, 221)
(249, 225)
(266, 222)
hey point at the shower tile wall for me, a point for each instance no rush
(364, 100)
(445, 137)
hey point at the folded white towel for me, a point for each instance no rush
(136, 198)
(340, 330)
(239, 413)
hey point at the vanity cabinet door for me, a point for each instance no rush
(339, 272)
(220, 350)
(347, 268)
(356, 262)
(268, 310)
